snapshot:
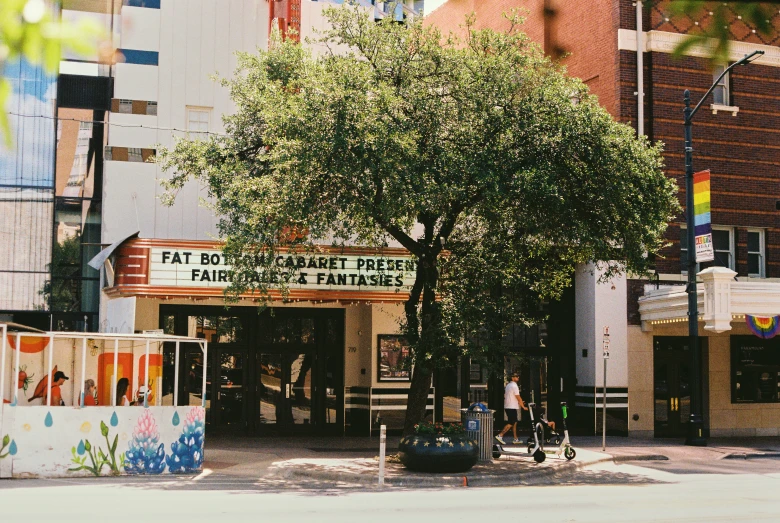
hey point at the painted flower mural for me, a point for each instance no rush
(98, 459)
(8, 443)
(187, 453)
(145, 453)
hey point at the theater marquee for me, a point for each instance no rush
(185, 268)
(207, 268)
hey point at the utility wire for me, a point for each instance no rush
(101, 122)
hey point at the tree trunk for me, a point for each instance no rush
(424, 287)
(417, 399)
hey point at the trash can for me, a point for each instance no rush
(478, 421)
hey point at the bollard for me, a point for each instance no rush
(382, 445)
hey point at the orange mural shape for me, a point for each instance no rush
(155, 373)
(29, 344)
(106, 373)
(43, 385)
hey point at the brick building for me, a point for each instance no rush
(735, 136)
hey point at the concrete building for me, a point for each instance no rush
(649, 376)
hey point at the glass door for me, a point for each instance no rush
(672, 387)
(231, 390)
(269, 388)
(285, 391)
(298, 373)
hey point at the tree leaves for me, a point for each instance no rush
(470, 145)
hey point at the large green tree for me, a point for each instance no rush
(497, 171)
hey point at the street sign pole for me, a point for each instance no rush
(605, 347)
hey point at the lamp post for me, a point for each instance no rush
(695, 436)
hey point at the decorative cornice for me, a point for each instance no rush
(720, 298)
(665, 42)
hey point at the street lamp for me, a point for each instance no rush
(695, 437)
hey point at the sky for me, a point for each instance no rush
(29, 161)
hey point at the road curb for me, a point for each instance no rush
(751, 455)
(484, 480)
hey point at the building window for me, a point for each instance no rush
(151, 108)
(198, 120)
(723, 243)
(755, 369)
(126, 106)
(755, 247)
(720, 95)
(134, 154)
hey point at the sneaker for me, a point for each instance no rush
(517, 441)
(499, 439)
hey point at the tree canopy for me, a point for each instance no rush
(496, 170)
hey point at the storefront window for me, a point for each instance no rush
(215, 329)
(74, 285)
(293, 330)
(755, 370)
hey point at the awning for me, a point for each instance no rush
(103, 255)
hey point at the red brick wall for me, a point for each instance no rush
(742, 152)
(586, 30)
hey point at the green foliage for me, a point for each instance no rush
(497, 171)
(28, 30)
(62, 293)
(444, 429)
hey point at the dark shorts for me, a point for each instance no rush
(511, 416)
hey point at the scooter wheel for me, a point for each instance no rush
(557, 440)
(569, 453)
(539, 456)
(530, 448)
(497, 450)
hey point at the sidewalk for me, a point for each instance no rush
(344, 462)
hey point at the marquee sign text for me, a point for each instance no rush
(207, 268)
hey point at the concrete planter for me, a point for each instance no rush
(438, 453)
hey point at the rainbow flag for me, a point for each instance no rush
(763, 327)
(701, 217)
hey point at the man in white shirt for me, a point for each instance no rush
(512, 403)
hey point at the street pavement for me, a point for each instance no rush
(352, 463)
(605, 492)
(272, 480)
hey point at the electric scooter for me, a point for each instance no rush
(536, 449)
(564, 448)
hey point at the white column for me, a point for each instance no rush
(717, 298)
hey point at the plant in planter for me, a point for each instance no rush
(438, 447)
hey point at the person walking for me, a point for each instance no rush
(512, 404)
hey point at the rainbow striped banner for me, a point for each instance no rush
(763, 327)
(701, 217)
